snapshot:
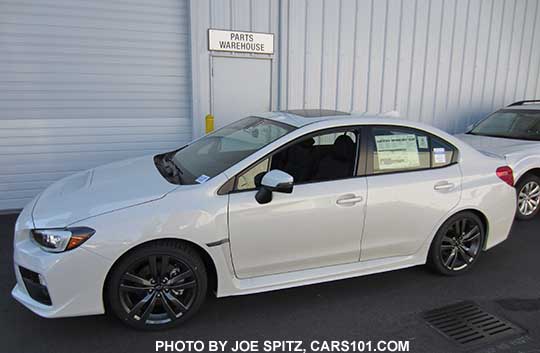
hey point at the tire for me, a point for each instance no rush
(463, 235)
(157, 286)
(528, 197)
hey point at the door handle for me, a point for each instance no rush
(349, 199)
(443, 185)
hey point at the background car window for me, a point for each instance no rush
(519, 124)
(399, 150)
(328, 156)
(246, 180)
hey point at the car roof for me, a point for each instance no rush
(290, 117)
(531, 106)
(315, 113)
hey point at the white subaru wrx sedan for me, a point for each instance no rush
(271, 201)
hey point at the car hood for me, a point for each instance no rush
(501, 147)
(100, 190)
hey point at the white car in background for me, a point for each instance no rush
(271, 201)
(513, 133)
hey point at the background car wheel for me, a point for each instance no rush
(157, 286)
(528, 197)
(457, 245)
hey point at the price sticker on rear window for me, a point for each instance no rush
(396, 152)
(422, 141)
(439, 154)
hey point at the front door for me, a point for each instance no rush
(240, 87)
(319, 224)
(414, 182)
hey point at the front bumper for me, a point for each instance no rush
(74, 279)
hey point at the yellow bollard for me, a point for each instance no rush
(209, 123)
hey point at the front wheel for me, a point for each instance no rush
(457, 245)
(157, 286)
(528, 197)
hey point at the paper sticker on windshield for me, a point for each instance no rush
(422, 141)
(439, 155)
(397, 151)
(202, 179)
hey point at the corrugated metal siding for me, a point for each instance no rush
(83, 83)
(242, 15)
(443, 62)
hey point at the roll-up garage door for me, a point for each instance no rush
(83, 83)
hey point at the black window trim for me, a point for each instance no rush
(364, 154)
(370, 149)
(229, 187)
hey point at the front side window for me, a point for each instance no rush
(320, 157)
(402, 149)
(246, 180)
(518, 124)
(212, 154)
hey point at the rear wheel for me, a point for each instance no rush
(157, 286)
(457, 245)
(528, 197)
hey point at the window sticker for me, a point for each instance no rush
(397, 151)
(439, 155)
(202, 179)
(422, 141)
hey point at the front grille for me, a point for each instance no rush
(466, 324)
(36, 290)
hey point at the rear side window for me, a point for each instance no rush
(395, 149)
(442, 153)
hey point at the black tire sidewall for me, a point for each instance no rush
(524, 180)
(185, 253)
(434, 258)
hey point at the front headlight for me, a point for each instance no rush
(58, 240)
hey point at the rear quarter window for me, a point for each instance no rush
(397, 149)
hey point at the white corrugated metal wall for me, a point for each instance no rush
(443, 62)
(83, 83)
(242, 15)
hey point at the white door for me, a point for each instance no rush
(240, 87)
(319, 224)
(415, 182)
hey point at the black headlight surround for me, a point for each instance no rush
(78, 236)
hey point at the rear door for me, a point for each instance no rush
(414, 180)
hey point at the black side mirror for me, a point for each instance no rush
(274, 181)
(258, 179)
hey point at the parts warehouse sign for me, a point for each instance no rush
(241, 42)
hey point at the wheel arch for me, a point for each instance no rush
(480, 214)
(205, 257)
(533, 171)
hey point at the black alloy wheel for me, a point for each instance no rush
(458, 244)
(158, 286)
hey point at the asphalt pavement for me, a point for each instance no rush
(388, 306)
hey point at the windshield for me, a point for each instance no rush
(212, 154)
(517, 124)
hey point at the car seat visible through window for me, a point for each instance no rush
(339, 163)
